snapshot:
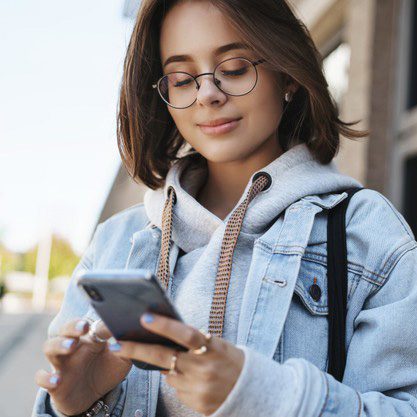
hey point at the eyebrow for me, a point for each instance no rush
(218, 51)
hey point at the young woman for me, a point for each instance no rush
(226, 116)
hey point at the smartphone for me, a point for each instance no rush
(120, 297)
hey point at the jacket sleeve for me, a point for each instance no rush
(75, 305)
(381, 370)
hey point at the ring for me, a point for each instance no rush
(172, 370)
(202, 349)
(92, 333)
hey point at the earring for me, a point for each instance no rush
(288, 96)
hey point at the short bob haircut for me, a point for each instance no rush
(148, 139)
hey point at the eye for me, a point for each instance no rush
(240, 71)
(178, 80)
(234, 67)
(182, 83)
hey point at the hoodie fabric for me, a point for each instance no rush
(199, 234)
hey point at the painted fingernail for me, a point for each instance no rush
(114, 347)
(67, 343)
(80, 326)
(54, 379)
(148, 318)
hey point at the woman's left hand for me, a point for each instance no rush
(202, 382)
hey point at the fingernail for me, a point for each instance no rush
(80, 326)
(67, 343)
(148, 318)
(54, 379)
(114, 347)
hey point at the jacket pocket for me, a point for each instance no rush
(311, 287)
(305, 333)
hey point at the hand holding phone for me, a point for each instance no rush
(120, 297)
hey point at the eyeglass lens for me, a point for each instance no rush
(235, 76)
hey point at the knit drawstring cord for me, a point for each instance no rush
(261, 182)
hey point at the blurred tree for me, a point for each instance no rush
(9, 260)
(63, 259)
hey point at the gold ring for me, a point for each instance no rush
(172, 370)
(202, 349)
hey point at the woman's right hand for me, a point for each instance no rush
(85, 369)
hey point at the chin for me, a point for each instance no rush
(221, 154)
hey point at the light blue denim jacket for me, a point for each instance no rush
(282, 329)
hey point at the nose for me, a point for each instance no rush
(208, 93)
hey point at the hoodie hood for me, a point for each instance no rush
(295, 174)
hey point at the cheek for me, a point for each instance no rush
(265, 106)
(183, 120)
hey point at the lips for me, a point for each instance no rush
(218, 122)
(220, 126)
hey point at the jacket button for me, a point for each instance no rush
(315, 292)
(138, 413)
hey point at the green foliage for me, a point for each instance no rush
(62, 262)
(9, 261)
(63, 259)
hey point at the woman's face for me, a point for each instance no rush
(197, 29)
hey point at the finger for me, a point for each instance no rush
(74, 328)
(58, 348)
(151, 353)
(48, 380)
(179, 332)
(181, 382)
(102, 331)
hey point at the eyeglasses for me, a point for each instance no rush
(234, 77)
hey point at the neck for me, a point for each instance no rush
(226, 181)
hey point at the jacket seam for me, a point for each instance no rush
(396, 262)
(359, 270)
(392, 260)
(365, 273)
(307, 258)
(360, 403)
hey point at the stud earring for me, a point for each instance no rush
(288, 96)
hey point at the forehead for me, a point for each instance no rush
(194, 28)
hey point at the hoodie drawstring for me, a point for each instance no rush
(261, 181)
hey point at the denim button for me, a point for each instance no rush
(315, 292)
(138, 413)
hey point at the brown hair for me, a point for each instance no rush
(148, 138)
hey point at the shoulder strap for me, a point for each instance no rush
(337, 285)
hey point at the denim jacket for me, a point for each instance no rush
(282, 328)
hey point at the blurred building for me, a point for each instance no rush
(370, 60)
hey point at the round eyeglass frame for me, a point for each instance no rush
(254, 63)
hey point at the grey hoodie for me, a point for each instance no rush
(199, 233)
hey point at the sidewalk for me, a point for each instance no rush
(21, 341)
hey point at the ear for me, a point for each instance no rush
(289, 84)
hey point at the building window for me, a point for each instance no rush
(336, 70)
(410, 195)
(412, 82)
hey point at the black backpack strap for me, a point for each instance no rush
(337, 285)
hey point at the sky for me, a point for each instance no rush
(61, 65)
